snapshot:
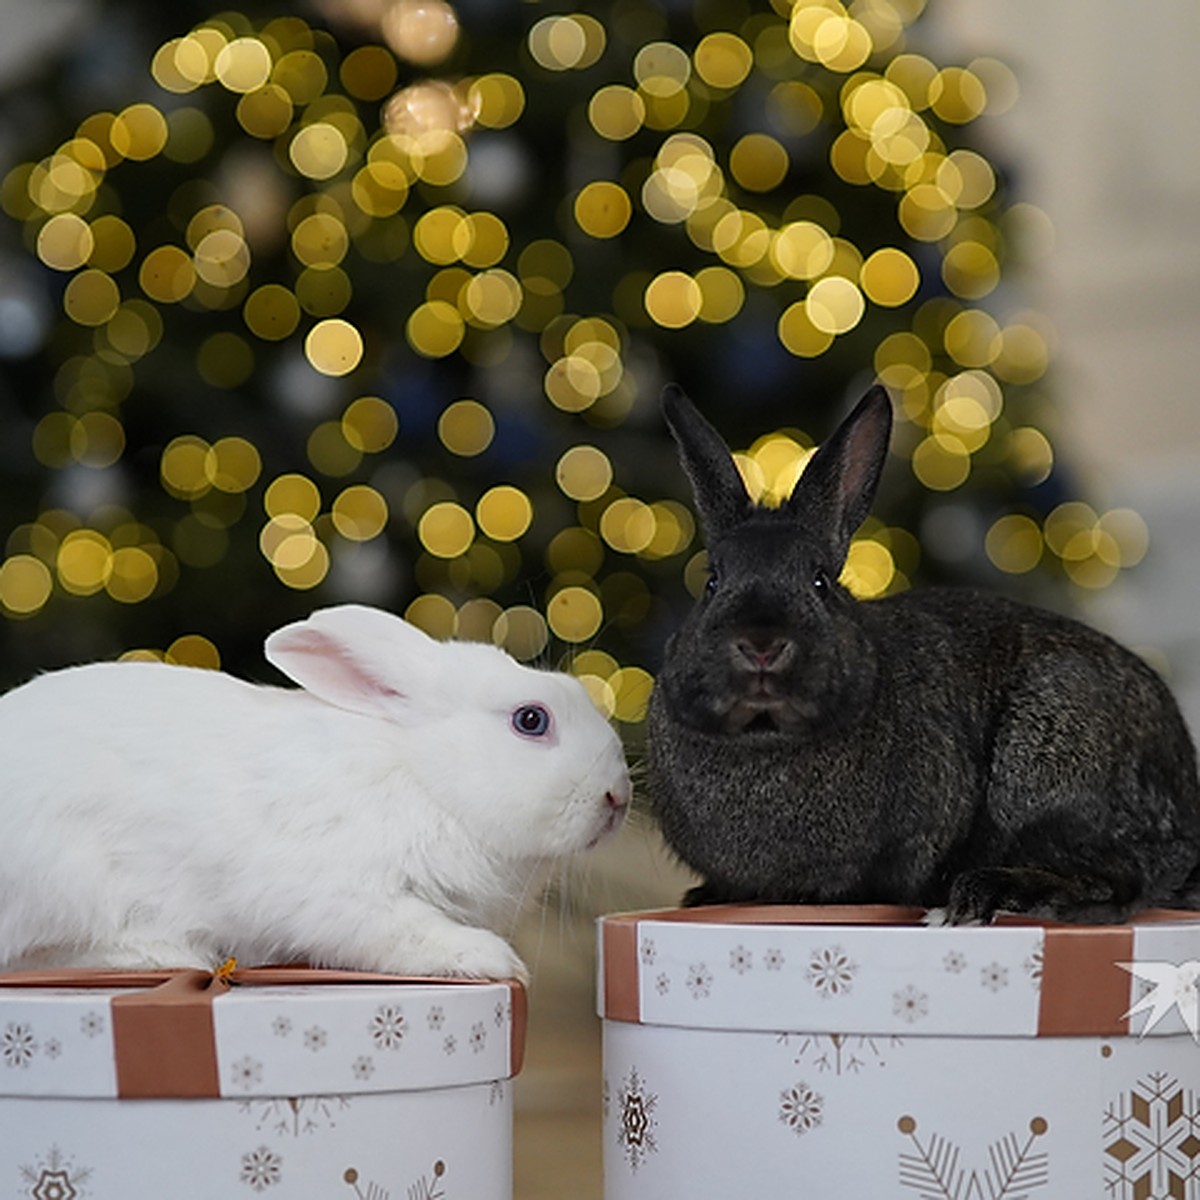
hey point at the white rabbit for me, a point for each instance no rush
(386, 816)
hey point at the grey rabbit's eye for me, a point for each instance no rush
(820, 580)
(711, 583)
(531, 720)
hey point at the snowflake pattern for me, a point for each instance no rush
(830, 971)
(662, 985)
(246, 1072)
(1033, 967)
(478, 1038)
(1152, 1141)
(910, 1004)
(281, 1026)
(501, 1014)
(91, 1024)
(773, 960)
(740, 960)
(955, 962)
(261, 1169)
(841, 1053)
(801, 1108)
(55, 1177)
(450, 1045)
(648, 952)
(363, 1067)
(388, 1027)
(17, 1044)
(436, 1017)
(425, 1188)
(994, 977)
(636, 1122)
(699, 981)
(933, 1166)
(315, 1038)
(294, 1116)
(52, 1048)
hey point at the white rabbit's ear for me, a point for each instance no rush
(357, 658)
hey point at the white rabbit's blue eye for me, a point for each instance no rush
(531, 720)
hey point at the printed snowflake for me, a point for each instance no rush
(363, 1067)
(994, 977)
(773, 960)
(699, 981)
(500, 1014)
(52, 1048)
(293, 1116)
(281, 1026)
(933, 1167)
(910, 1004)
(55, 1178)
(478, 1038)
(841, 1053)
(424, 1188)
(648, 951)
(246, 1072)
(1152, 1141)
(91, 1024)
(17, 1045)
(1033, 967)
(830, 971)
(261, 1169)
(450, 1045)
(662, 985)
(955, 962)
(636, 1121)
(496, 1092)
(387, 1027)
(315, 1038)
(740, 960)
(800, 1108)
(436, 1017)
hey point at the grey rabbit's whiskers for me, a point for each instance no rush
(941, 747)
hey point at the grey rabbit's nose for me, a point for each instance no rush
(761, 654)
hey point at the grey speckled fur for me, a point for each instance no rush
(943, 747)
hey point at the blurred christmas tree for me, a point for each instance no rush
(373, 299)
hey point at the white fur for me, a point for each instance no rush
(385, 816)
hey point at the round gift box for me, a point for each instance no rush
(282, 1082)
(855, 1052)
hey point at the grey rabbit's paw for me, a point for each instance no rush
(976, 896)
(943, 747)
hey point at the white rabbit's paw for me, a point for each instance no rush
(476, 954)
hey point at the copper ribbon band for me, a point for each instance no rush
(1083, 992)
(163, 1038)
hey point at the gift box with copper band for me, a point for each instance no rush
(855, 1052)
(281, 1082)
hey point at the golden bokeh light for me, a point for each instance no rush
(446, 529)
(333, 347)
(602, 209)
(504, 513)
(360, 513)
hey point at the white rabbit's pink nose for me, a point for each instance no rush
(616, 802)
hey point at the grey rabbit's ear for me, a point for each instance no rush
(721, 497)
(837, 487)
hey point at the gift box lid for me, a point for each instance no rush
(874, 969)
(249, 1033)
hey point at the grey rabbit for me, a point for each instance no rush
(944, 747)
